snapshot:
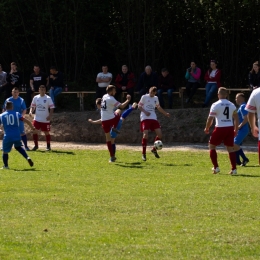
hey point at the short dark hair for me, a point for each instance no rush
(13, 63)
(9, 105)
(110, 88)
(241, 95)
(42, 86)
(153, 89)
(15, 88)
(98, 101)
(53, 68)
(164, 70)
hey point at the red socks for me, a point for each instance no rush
(157, 138)
(35, 139)
(233, 161)
(110, 149)
(144, 144)
(214, 158)
(259, 152)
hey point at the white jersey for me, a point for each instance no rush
(108, 105)
(42, 106)
(104, 76)
(223, 111)
(148, 104)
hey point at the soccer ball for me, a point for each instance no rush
(158, 145)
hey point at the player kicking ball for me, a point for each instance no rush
(147, 106)
(11, 121)
(116, 130)
(224, 112)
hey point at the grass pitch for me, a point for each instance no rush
(75, 205)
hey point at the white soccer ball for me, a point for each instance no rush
(158, 144)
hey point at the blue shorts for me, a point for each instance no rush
(21, 127)
(241, 135)
(118, 127)
(7, 145)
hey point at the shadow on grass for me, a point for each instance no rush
(55, 151)
(246, 175)
(172, 164)
(130, 165)
(26, 170)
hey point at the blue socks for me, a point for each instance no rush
(24, 138)
(127, 112)
(238, 154)
(22, 152)
(5, 159)
(114, 148)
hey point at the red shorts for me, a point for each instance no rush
(45, 127)
(149, 124)
(222, 135)
(108, 124)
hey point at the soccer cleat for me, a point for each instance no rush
(155, 153)
(48, 148)
(35, 148)
(112, 159)
(30, 161)
(144, 157)
(4, 168)
(233, 172)
(215, 170)
(27, 148)
(115, 130)
(134, 106)
(245, 162)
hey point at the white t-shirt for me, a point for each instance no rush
(42, 106)
(148, 104)
(108, 104)
(104, 76)
(223, 111)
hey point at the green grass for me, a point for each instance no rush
(75, 205)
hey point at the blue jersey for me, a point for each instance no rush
(18, 104)
(11, 121)
(241, 115)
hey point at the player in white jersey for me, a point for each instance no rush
(148, 118)
(253, 107)
(43, 106)
(109, 118)
(224, 112)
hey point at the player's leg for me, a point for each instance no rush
(241, 135)
(18, 147)
(7, 147)
(144, 144)
(113, 145)
(48, 140)
(129, 110)
(23, 136)
(158, 133)
(35, 135)
(107, 126)
(215, 140)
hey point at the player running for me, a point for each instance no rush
(11, 121)
(43, 106)
(20, 107)
(110, 119)
(147, 105)
(243, 129)
(116, 130)
(224, 112)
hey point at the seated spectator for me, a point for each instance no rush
(254, 76)
(125, 83)
(147, 80)
(103, 79)
(165, 85)
(212, 78)
(56, 83)
(193, 80)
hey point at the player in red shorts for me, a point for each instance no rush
(224, 112)
(109, 118)
(148, 117)
(43, 106)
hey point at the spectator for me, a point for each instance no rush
(3, 75)
(125, 83)
(103, 79)
(254, 76)
(165, 85)
(193, 80)
(56, 83)
(212, 77)
(147, 80)
(37, 79)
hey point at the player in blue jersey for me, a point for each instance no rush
(243, 130)
(116, 130)
(20, 107)
(10, 120)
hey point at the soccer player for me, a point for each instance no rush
(43, 106)
(110, 119)
(147, 105)
(243, 130)
(253, 106)
(10, 120)
(116, 130)
(20, 107)
(224, 112)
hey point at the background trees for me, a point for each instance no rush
(79, 35)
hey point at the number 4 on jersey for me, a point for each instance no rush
(226, 112)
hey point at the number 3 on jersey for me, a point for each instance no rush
(226, 112)
(104, 105)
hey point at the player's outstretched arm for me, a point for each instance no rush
(29, 123)
(236, 122)
(96, 122)
(123, 105)
(160, 109)
(251, 121)
(208, 124)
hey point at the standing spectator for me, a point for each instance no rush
(37, 79)
(165, 85)
(125, 83)
(193, 80)
(3, 75)
(103, 79)
(212, 77)
(147, 80)
(56, 83)
(224, 113)
(20, 107)
(254, 76)
(43, 107)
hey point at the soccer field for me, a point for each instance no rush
(75, 205)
